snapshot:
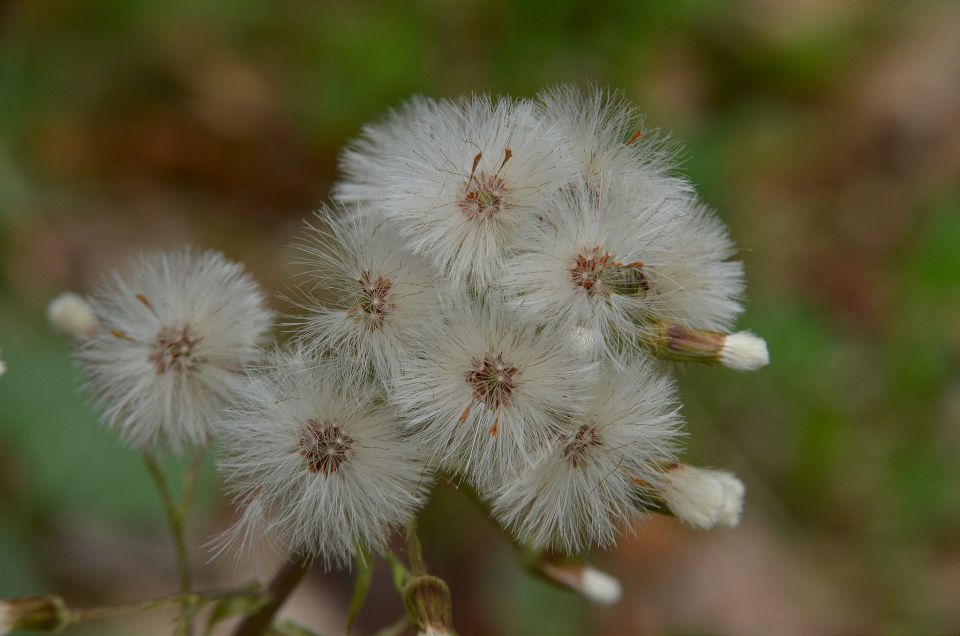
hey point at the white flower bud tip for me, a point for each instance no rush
(703, 498)
(3, 367)
(733, 490)
(600, 587)
(744, 352)
(72, 316)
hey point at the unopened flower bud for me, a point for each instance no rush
(744, 352)
(72, 316)
(427, 599)
(585, 579)
(43, 614)
(739, 351)
(703, 498)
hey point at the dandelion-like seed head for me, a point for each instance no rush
(317, 466)
(581, 490)
(485, 391)
(363, 296)
(176, 330)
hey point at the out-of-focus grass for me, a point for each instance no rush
(825, 133)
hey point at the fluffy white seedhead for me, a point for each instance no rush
(458, 179)
(703, 498)
(364, 297)
(317, 467)
(607, 259)
(698, 285)
(486, 392)
(369, 157)
(177, 330)
(585, 487)
(605, 134)
(744, 352)
(72, 316)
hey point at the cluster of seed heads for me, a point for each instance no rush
(494, 295)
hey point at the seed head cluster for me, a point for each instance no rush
(492, 296)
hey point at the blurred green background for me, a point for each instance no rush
(825, 132)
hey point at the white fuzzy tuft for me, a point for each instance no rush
(581, 491)
(485, 392)
(72, 316)
(703, 498)
(364, 295)
(318, 467)
(3, 365)
(744, 351)
(177, 331)
(733, 490)
(599, 586)
(458, 180)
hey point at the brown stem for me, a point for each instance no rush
(282, 585)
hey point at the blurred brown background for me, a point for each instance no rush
(825, 132)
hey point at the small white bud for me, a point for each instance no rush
(744, 351)
(3, 365)
(703, 498)
(595, 585)
(600, 587)
(72, 316)
(733, 490)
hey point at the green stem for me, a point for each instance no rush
(415, 550)
(282, 585)
(196, 598)
(174, 514)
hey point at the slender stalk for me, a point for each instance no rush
(282, 585)
(190, 482)
(98, 613)
(174, 514)
(414, 550)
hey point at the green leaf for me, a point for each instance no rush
(361, 587)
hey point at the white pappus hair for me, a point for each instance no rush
(459, 179)
(316, 466)
(176, 331)
(584, 488)
(364, 296)
(485, 392)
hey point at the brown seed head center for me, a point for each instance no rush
(174, 350)
(598, 273)
(585, 438)
(492, 380)
(374, 305)
(325, 447)
(484, 197)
